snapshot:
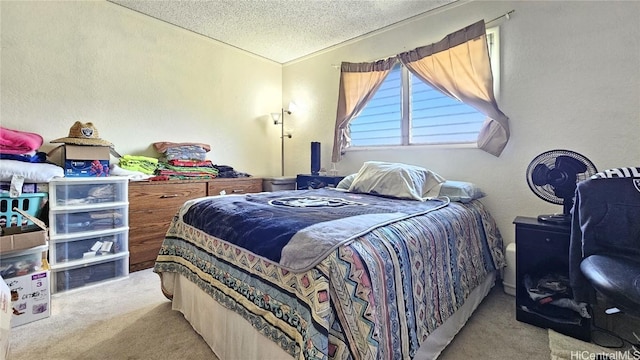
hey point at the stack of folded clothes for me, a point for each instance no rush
(20, 159)
(144, 164)
(184, 161)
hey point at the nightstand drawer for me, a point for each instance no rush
(536, 239)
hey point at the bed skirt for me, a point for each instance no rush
(230, 336)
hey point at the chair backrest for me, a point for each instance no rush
(605, 220)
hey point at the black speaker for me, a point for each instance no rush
(315, 157)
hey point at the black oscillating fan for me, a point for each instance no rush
(553, 176)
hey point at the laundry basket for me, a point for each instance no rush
(29, 203)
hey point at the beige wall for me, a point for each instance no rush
(139, 80)
(570, 79)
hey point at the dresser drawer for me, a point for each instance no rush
(144, 196)
(147, 235)
(235, 186)
(150, 224)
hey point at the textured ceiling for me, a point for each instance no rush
(282, 30)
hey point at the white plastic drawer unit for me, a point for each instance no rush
(85, 274)
(88, 231)
(74, 192)
(97, 246)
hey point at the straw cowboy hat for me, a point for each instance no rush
(83, 134)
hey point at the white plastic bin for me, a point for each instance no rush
(89, 273)
(509, 275)
(278, 183)
(74, 192)
(22, 262)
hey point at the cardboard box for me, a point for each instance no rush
(5, 318)
(22, 241)
(82, 160)
(23, 237)
(30, 297)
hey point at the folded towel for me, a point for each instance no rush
(162, 146)
(131, 174)
(142, 164)
(18, 142)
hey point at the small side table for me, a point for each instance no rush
(542, 248)
(305, 181)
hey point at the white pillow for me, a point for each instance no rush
(395, 180)
(346, 182)
(460, 191)
(32, 172)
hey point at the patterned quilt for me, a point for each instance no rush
(377, 296)
(297, 229)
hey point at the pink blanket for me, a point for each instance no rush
(17, 142)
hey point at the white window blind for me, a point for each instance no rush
(380, 122)
(439, 119)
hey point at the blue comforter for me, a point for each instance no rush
(310, 223)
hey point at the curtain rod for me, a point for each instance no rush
(505, 15)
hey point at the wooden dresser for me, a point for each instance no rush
(152, 205)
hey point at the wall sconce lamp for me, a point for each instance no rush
(278, 119)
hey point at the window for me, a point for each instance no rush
(406, 111)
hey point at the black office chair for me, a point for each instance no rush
(617, 279)
(604, 252)
(605, 240)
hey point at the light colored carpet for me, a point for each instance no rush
(493, 332)
(124, 319)
(131, 319)
(567, 348)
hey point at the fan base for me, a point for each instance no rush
(560, 219)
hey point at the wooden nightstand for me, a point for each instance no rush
(543, 248)
(305, 182)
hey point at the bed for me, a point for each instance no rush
(368, 273)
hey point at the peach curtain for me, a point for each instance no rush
(358, 84)
(459, 66)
